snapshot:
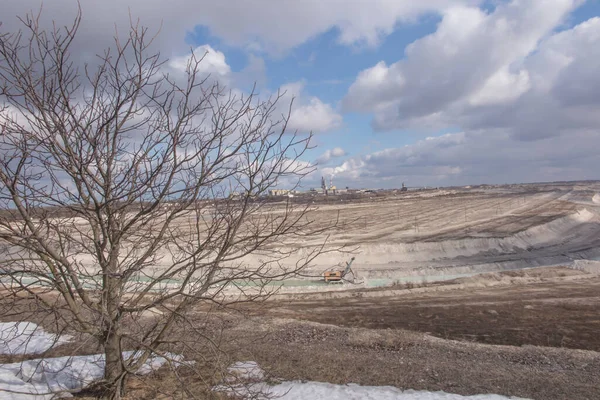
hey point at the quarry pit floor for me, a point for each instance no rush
(553, 312)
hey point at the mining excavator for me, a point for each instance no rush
(338, 276)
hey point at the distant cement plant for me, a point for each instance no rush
(330, 189)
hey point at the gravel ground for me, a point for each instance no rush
(300, 350)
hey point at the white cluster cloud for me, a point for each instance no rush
(505, 69)
(309, 113)
(330, 155)
(272, 26)
(100, 24)
(314, 116)
(471, 158)
(211, 62)
(521, 85)
(523, 88)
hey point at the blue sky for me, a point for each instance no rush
(328, 68)
(432, 93)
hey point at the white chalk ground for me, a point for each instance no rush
(27, 338)
(296, 390)
(589, 266)
(41, 379)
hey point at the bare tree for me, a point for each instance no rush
(125, 189)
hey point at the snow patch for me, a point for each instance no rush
(297, 390)
(596, 198)
(27, 338)
(245, 370)
(41, 379)
(318, 390)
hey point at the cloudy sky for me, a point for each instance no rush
(429, 92)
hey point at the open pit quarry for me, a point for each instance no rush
(425, 236)
(435, 235)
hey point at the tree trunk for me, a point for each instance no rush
(113, 370)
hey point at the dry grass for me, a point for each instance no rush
(301, 350)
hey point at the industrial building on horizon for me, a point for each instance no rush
(330, 189)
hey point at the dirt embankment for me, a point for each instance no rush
(300, 350)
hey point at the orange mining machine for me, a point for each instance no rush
(339, 275)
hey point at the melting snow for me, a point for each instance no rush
(246, 370)
(39, 379)
(43, 378)
(27, 338)
(319, 390)
(296, 390)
